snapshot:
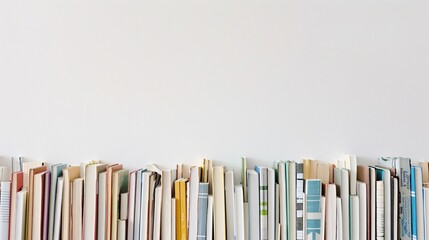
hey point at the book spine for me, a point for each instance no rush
(263, 203)
(413, 204)
(292, 200)
(271, 204)
(202, 210)
(380, 209)
(300, 201)
(313, 209)
(405, 203)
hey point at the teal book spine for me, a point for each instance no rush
(313, 190)
(202, 210)
(413, 204)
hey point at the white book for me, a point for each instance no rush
(339, 235)
(253, 201)
(131, 204)
(426, 211)
(379, 209)
(37, 206)
(395, 203)
(239, 212)
(331, 212)
(282, 199)
(123, 208)
(5, 209)
(21, 209)
(230, 205)
(272, 204)
(157, 214)
(90, 200)
(210, 218)
(354, 211)
(173, 219)
(101, 225)
(193, 202)
(292, 200)
(361, 192)
(144, 211)
(342, 181)
(246, 216)
(58, 207)
(277, 220)
(219, 203)
(373, 197)
(122, 226)
(350, 163)
(138, 204)
(77, 208)
(419, 203)
(387, 201)
(323, 219)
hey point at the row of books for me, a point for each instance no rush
(290, 200)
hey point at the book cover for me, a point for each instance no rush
(313, 191)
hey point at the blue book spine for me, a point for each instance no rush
(413, 204)
(202, 210)
(313, 191)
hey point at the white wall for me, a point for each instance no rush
(175, 81)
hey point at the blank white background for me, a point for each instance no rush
(175, 81)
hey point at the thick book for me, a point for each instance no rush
(219, 203)
(30, 203)
(313, 194)
(380, 223)
(110, 169)
(69, 175)
(354, 217)
(253, 204)
(403, 168)
(230, 205)
(263, 201)
(119, 186)
(4, 208)
(16, 185)
(341, 178)
(38, 196)
(77, 208)
(363, 175)
(239, 212)
(21, 208)
(202, 210)
(181, 212)
(56, 172)
(90, 201)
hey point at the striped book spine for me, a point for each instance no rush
(313, 191)
(263, 201)
(413, 204)
(202, 210)
(300, 201)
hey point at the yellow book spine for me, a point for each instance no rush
(183, 210)
(177, 197)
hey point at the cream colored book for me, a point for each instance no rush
(109, 174)
(38, 193)
(21, 208)
(119, 185)
(90, 201)
(219, 203)
(32, 172)
(69, 175)
(77, 208)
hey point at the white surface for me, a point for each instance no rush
(174, 81)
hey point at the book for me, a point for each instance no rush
(230, 205)
(239, 212)
(292, 200)
(56, 172)
(122, 232)
(90, 205)
(341, 178)
(395, 208)
(380, 209)
(58, 209)
(21, 207)
(181, 213)
(173, 218)
(373, 196)
(5, 187)
(77, 208)
(202, 210)
(354, 217)
(263, 201)
(339, 220)
(219, 203)
(131, 204)
(101, 221)
(32, 172)
(313, 191)
(361, 190)
(37, 215)
(45, 215)
(69, 175)
(119, 185)
(419, 202)
(17, 184)
(385, 175)
(363, 176)
(413, 204)
(282, 200)
(331, 217)
(402, 167)
(138, 203)
(210, 201)
(300, 201)
(253, 204)
(157, 213)
(271, 177)
(110, 169)
(194, 180)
